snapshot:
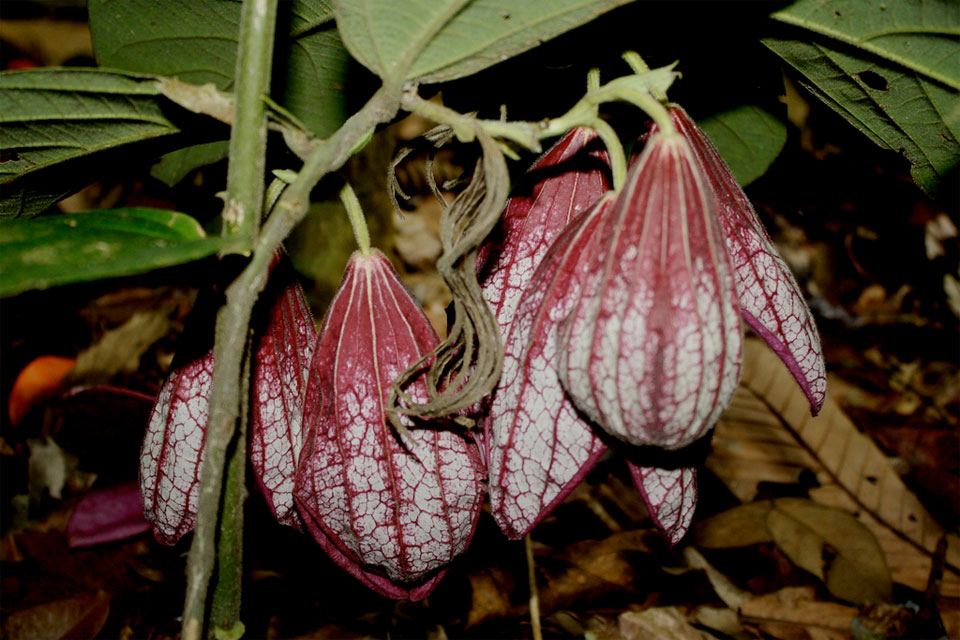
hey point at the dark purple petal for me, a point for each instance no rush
(651, 351)
(539, 447)
(770, 299)
(391, 514)
(107, 515)
(671, 497)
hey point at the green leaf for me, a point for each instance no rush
(921, 35)
(47, 251)
(49, 116)
(196, 41)
(748, 137)
(897, 108)
(447, 39)
(176, 165)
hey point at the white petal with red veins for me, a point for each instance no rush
(770, 299)
(671, 497)
(281, 364)
(539, 446)
(390, 514)
(651, 351)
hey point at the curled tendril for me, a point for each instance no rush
(436, 137)
(466, 365)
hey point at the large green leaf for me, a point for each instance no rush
(196, 41)
(447, 39)
(890, 68)
(748, 137)
(43, 252)
(897, 108)
(53, 115)
(921, 35)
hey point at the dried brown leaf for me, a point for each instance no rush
(118, 351)
(732, 596)
(796, 607)
(76, 618)
(490, 596)
(768, 435)
(737, 527)
(667, 623)
(833, 546)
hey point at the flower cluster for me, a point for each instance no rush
(621, 318)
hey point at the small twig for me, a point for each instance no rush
(534, 593)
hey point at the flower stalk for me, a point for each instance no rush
(357, 220)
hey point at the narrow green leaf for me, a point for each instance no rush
(748, 137)
(897, 108)
(53, 115)
(921, 35)
(176, 165)
(196, 41)
(47, 251)
(448, 39)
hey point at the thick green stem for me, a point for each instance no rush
(233, 320)
(357, 220)
(241, 220)
(225, 608)
(248, 138)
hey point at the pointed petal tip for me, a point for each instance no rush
(811, 378)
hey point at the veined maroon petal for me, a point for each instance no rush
(566, 180)
(281, 364)
(562, 184)
(770, 299)
(651, 352)
(671, 497)
(539, 446)
(391, 514)
(172, 451)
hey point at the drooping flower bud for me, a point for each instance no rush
(280, 366)
(651, 350)
(391, 513)
(770, 299)
(562, 184)
(171, 457)
(539, 447)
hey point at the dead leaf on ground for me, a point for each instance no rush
(491, 590)
(768, 435)
(75, 618)
(118, 350)
(740, 526)
(797, 608)
(667, 623)
(833, 546)
(595, 567)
